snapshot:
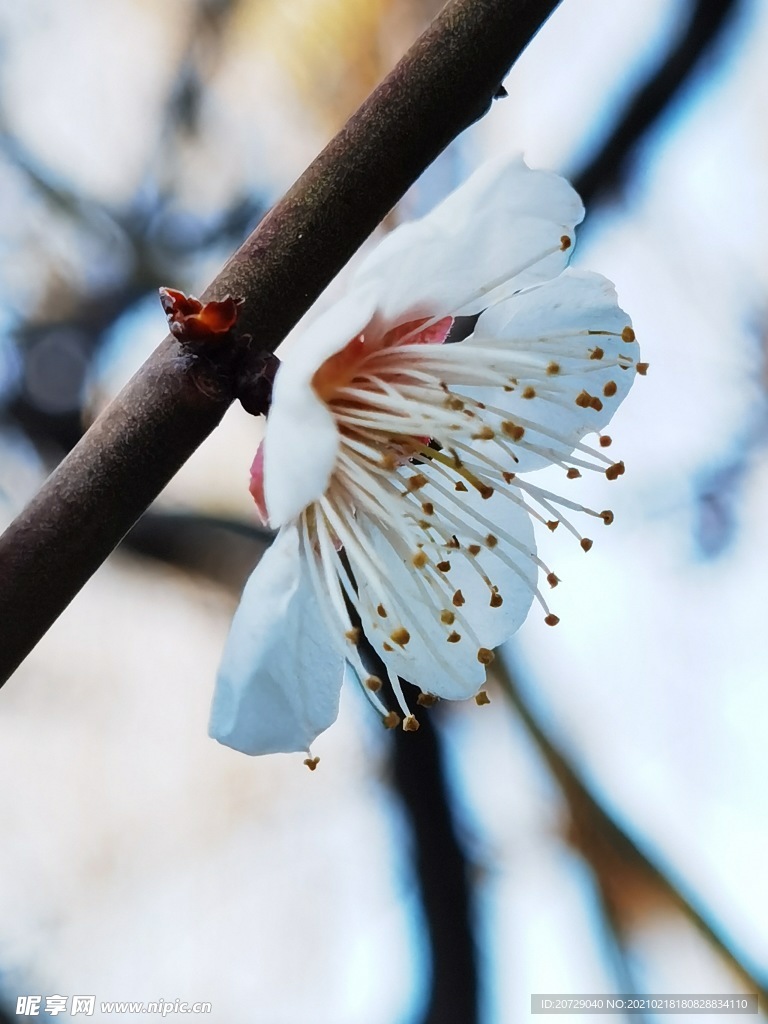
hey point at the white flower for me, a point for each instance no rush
(393, 464)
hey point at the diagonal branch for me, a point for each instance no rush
(604, 842)
(445, 82)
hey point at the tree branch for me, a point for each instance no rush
(445, 82)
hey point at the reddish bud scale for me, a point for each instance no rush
(191, 321)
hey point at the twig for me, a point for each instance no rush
(602, 839)
(607, 169)
(445, 82)
(442, 872)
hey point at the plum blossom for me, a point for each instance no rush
(397, 460)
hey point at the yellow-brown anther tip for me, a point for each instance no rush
(496, 600)
(573, 474)
(311, 762)
(353, 635)
(552, 580)
(607, 516)
(410, 724)
(458, 599)
(553, 524)
(596, 353)
(419, 560)
(565, 242)
(529, 392)
(553, 369)
(628, 334)
(615, 471)
(373, 683)
(400, 636)
(447, 617)
(454, 637)
(482, 698)
(642, 368)
(551, 620)
(484, 434)
(484, 656)
(512, 430)
(426, 700)
(605, 441)
(586, 544)
(486, 491)
(610, 388)
(391, 720)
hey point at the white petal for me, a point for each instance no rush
(562, 321)
(497, 233)
(279, 681)
(301, 440)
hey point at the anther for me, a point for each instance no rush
(491, 541)
(458, 599)
(553, 524)
(596, 353)
(609, 388)
(565, 242)
(607, 516)
(400, 636)
(484, 656)
(373, 683)
(454, 403)
(419, 560)
(642, 368)
(416, 481)
(482, 698)
(410, 724)
(628, 334)
(473, 549)
(614, 471)
(443, 566)
(460, 486)
(382, 611)
(447, 617)
(529, 392)
(583, 400)
(551, 620)
(484, 434)
(388, 647)
(426, 700)
(605, 441)
(311, 762)
(552, 580)
(596, 404)
(553, 369)
(391, 721)
(512, 430)
(454, 637)
(508, 477)
(353, 635)
(485, 491)
(496, 600)
(388, 461)
(453, 542)
(573, 474)
(586, 544)
(428, 508)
